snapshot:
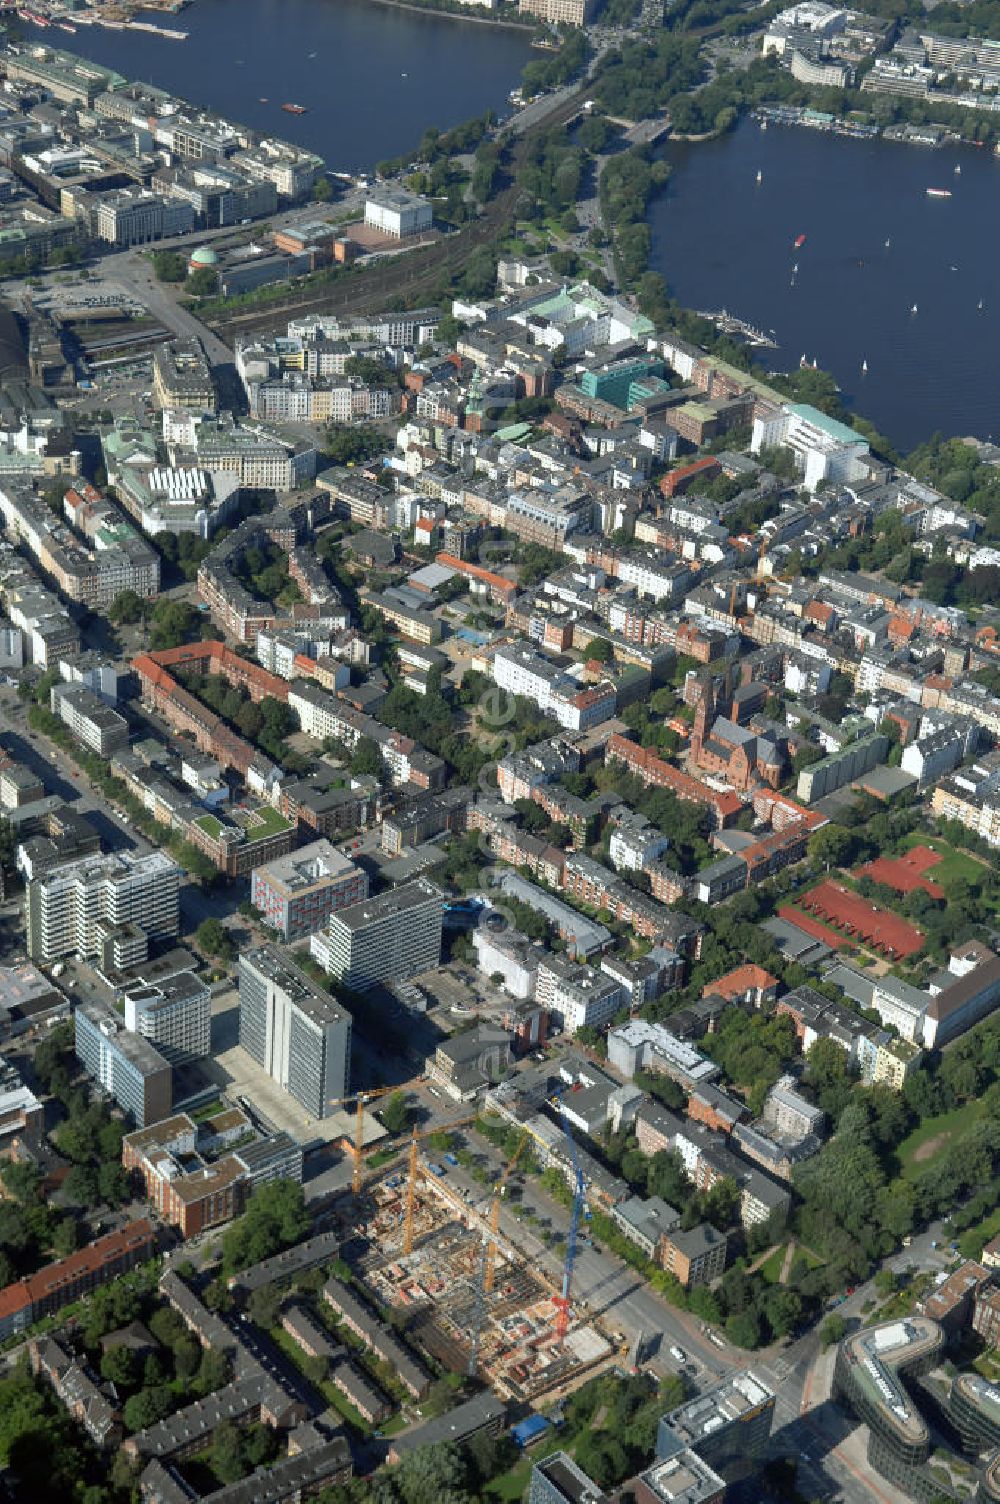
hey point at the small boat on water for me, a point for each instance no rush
(864, 368)
(799, 242)
(914, 308)
(264, 99)
(938, 192)
(795, 269)
(958, 169)
(294, 109)
(760, 176)
(66, 26)
(979, 305)
(888, 242)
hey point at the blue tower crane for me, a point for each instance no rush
(562, 1300)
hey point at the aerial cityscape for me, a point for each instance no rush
(499, 752)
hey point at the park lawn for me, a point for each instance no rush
(953, 864)
(922, 1146)
(974, 1239)
(512, 1485)
(771, 1267)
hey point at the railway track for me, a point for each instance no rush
(410, 275)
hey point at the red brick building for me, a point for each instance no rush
(654, 771)
(61, 1283)
(677, 482)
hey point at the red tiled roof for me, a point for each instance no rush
(476, 572)
(14, 1298)
(743, 979)
(89, 1260)
(74, 1268)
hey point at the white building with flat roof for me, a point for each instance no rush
(395, 212)
(640, 1045)
(824, 449)
(388, 938)
(297, 893)
(175, 1015)
(508, 954)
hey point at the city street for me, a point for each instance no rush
(61, 776)
(602, 1283)
(829, 1447)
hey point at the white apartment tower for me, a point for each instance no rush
(384, 939)
(295, 1032)
(76, 908)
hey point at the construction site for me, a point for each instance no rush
(471, 1301)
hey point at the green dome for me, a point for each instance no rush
(203, 256)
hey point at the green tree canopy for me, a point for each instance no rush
(275, 1219)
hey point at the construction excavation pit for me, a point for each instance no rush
(468, 1297)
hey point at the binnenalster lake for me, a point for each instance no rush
(723, 240)
(372, 77)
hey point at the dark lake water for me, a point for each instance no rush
(371, 76)
(723, 240)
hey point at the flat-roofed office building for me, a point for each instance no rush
(386, 938)
(75, 907)
(175, 1015)
(297, 893)
(558, 1480)
(295, 1032)
(729, 1425)
(127, 1066)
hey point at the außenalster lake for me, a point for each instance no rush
(723, 240)
(372, 77)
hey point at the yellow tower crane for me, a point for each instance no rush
(360, 1098)
(411, 1175)
(489, 1273)
(411, 1196)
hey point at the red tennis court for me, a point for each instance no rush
(812, 926)
(861, 920)
(905, 873)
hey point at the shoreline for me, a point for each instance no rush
(453, 15)
(885, 432)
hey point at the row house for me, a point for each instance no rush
(654, 772)
(520, 849)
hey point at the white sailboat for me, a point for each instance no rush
(888, 242)
(914, 308)
(864, 368)
(760, 176)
